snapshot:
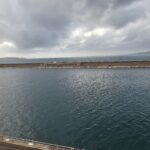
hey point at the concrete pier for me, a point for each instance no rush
(11, 143)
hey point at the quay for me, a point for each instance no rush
(11, 143)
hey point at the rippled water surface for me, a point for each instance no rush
(95, 109)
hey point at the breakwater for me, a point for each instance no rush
(114, 64)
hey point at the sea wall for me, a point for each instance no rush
(24, 144)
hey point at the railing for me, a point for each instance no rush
(33, 144)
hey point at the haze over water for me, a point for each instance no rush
(95, 109)
(77, 59)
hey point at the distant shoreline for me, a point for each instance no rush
(113, 64)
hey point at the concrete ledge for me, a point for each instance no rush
(11, 143)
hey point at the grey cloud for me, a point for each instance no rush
(36, 24)
(124, 2)
(115, 13)
(122, 16)
(45, 24)
(47, 14)
(138, 40)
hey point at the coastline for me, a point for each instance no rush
(98, 65)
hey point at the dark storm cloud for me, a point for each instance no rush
(49, 24)
(109, 13)
(124, 2)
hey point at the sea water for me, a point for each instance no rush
(95, 109)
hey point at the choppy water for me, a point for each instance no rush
(95, 109)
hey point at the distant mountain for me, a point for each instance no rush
(11, 58)
(132, 57)
(147, 53)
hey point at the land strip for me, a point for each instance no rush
(114, 64)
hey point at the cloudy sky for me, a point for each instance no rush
(63, 28)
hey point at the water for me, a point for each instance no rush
(95, 109)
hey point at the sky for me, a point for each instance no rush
(73, 28)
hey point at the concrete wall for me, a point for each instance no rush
(32, 144)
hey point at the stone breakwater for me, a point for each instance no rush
(114, 64)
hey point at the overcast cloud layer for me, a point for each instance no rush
(60, 28)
